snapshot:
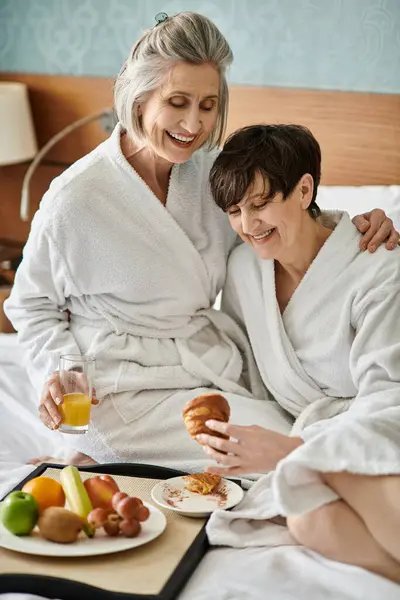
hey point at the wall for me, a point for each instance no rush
(318, 44)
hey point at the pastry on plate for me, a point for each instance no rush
(199, 410)
(202, 483)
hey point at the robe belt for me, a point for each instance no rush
(120, 327)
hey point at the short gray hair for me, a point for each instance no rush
(188, 37)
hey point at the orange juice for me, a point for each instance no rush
(75, 410)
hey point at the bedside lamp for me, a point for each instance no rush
(17, 135)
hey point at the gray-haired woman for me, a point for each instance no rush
(130, 243)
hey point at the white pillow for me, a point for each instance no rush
(360, 199)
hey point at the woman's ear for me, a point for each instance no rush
(306, 186)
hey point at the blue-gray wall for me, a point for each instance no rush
(328, 44)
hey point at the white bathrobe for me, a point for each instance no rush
(139, 279)
(332, 360)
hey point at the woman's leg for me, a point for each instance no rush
(376, 499)
(337, 532)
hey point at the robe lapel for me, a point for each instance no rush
(170, 239)
(285, 377)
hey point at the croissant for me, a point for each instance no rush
(202, 483)
(199, 410)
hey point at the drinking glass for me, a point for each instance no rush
(77, 380)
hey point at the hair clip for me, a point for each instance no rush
(160, 18)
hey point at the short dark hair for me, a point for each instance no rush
(280, 153)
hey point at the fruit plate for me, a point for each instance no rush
(172, 494)
(84, 546)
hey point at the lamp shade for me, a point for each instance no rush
(17, 135)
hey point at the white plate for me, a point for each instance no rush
(84, 546)
(172, 494)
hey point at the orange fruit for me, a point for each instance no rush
(46, 491)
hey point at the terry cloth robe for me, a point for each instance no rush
(139, 279)
(332, 360)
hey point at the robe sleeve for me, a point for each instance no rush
(375, 352)
(36, 306)
(371, 426)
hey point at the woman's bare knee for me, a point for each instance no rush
(338, 533)
(375, 500)
(299, 527)
(316, 529)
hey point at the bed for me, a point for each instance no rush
(355, 181)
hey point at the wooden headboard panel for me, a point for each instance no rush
(359, 133)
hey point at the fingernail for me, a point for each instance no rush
(363, 247)
(210, 423)
(200, 437)
(372, 249)
(206, 449)
(58, 400)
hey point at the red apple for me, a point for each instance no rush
(100, 490)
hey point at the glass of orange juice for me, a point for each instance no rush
(77, 381)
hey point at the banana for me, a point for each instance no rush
(77, 496)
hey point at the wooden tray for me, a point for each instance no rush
(156, 571)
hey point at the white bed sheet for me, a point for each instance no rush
(277, 574)
(224, 574)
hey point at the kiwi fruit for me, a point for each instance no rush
(59, 525)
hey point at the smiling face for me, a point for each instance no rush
(273, 226)
(179, 116)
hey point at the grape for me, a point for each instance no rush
(143, 513)
(128, 507)
(111, 526)
(130, 528)
(117, 497)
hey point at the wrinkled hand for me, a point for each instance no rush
(253, 449)
(377, 229)
(52, 396)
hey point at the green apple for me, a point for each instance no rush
(19, 513)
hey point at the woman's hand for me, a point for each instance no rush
(52, 396)
(377, 229)
(253, 449)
